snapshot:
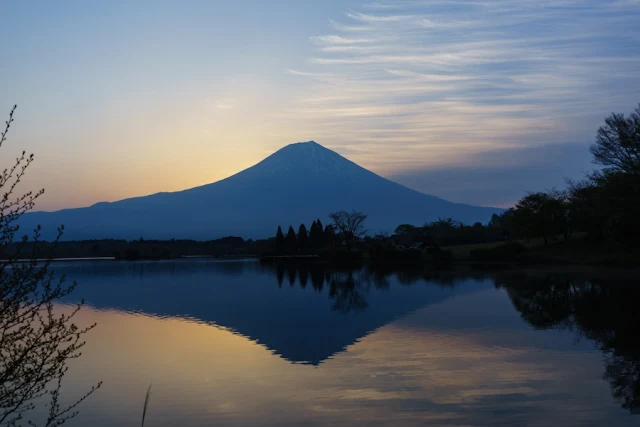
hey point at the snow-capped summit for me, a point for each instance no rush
(306, 158)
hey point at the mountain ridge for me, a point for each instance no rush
(296, 184)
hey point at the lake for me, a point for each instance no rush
(241, 344)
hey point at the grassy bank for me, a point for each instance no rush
(575, 251)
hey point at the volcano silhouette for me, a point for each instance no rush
(295, 185)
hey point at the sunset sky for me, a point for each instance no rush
(473, 101)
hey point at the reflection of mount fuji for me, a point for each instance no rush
(303, 314)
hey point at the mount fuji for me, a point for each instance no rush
(295, 185)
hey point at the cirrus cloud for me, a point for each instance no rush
(408, 85)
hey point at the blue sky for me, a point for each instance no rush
(474, 101)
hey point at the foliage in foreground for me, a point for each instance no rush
(36, 342)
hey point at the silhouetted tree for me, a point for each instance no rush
(350, 225)
(313, 235)
(407, 230)
(316, 235)
(291, 242)
(303, 238)
(321, 236)
(443, 230)
(35, 341)
(607, 203)
(329, 236)
(617, 145)
(541, 215)
(587, 208)
(280, 242)
(502, 225)
(618, 198)
(495, 221)
(407, 234)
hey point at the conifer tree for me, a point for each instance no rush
(321, 238)
(280, 243)
(313, 235)
(329, 236)
(316, 235)
(303, 238)
(291, 242)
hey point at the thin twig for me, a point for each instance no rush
(146, 403)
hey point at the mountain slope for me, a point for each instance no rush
(295, 185)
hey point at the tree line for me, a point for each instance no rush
(346, 228)
(303, 241)
(604, 205)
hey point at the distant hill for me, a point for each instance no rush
(297, 184)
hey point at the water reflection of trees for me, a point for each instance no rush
(596, 309)
(280, 274)
(599, 310)
(303, 275)
(348, 288)
(347, 292)
(291, 274)
(317, 279)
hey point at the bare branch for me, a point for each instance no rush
(35, 341)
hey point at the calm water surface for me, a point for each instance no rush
(240, 344)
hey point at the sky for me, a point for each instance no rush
(476, 101)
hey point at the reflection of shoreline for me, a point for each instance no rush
(605, 312)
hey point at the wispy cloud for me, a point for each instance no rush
(310, 74)
(332, 39)
(363, 17)
(402, 83)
